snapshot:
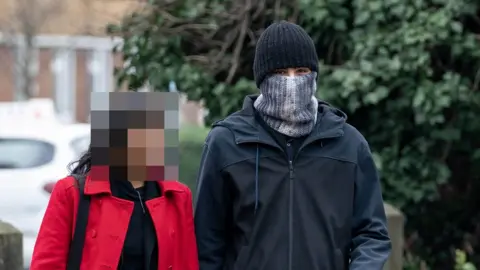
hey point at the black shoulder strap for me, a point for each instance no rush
(76, 246)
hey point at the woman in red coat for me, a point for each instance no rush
(132, 224)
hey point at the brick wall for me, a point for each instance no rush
(45, 77)
(82, 86)
(72, 17)
(6, 74)
(192, 112)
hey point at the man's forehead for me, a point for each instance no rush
(134, 101)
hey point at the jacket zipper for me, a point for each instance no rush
(141, 201)
(290, 205)
(143, 209)
(291, 158)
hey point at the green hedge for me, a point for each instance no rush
(405, 72)
(191, 144)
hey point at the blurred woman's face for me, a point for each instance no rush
(145, 147)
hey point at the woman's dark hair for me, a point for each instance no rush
(83, 165)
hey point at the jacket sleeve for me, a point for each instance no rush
(211, 210)
(190, 259)
(370, 242)
(53, 240)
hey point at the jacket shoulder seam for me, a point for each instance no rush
(338, 159)
(235, 162)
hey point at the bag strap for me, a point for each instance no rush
(76, 246)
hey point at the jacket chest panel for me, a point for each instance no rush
(166, 230)
(112, 217)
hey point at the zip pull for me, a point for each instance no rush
(141, 201)
(290, 167)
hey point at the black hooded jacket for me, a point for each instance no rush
(262, 207)
(140, 249)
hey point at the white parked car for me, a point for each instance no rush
(33, 157)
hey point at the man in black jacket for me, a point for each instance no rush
(285, 183)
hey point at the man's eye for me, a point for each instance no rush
(303, 70)
(281, 72)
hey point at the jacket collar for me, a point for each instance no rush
(97, 182)
(246, 129)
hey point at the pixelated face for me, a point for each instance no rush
(146, 147)
(135, 135)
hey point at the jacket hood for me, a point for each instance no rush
(330, 123)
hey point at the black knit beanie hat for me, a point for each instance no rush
(283, 45)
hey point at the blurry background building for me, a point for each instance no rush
(58, 49)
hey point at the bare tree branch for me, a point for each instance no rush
(215, 36)
(19, 30)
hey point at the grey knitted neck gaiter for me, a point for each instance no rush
(288, 104)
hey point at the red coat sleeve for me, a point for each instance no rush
(53, 240)
(189, 243)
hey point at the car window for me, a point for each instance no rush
(24, 153)
(80, 145)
